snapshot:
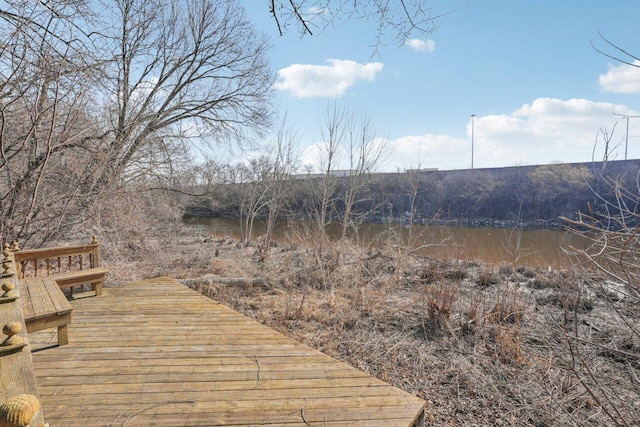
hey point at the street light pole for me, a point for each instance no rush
(626, 141)
(473, 125)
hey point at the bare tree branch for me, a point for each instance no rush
(396, 20)
(617, 48)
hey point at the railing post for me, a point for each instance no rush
(19, 390)
(7, 263)
(8, 277)
(95, 254)
(11, 330)
(9, 295)
(20, 410)
(14, 247)
(13, 342)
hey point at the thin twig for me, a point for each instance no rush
(255, 358)
(303, 418)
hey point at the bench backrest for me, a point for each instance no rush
(62, 259)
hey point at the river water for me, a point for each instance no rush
(538, 248)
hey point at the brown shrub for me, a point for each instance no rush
(487, 278)
(505, 270)
(509, 346)
(440, 300)
(506, 312)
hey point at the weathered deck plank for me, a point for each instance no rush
(157, 353)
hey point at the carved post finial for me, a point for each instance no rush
(7, 264)
(6, 247)
(9, 290)
(94, 239)
(12, 329)
(19, 411)
(15, 246)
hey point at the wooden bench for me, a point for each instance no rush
(43, 273)
(45, 306)
(70, 266)
(94, 276)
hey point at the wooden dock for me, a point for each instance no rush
(157, 353)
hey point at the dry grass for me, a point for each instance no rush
(483, 345)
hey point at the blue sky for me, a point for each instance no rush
(526, 69)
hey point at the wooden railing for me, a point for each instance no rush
(19, 399)
(70, 266)
(56, 260)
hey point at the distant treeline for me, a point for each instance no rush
(531, 195)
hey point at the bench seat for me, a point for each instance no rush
(94, 276)
(45, 306)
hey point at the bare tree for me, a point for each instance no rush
(611, 228)
(46, 73)
(322, 197)
(189, 69)
(366, 151)
(284, 167)
(412, 184)
(97, 100)
(395, 20)
(254, 187)
(613, 233)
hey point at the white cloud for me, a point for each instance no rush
(426, 151)
(409, 152)
(621, 79)
(542, 132)
(327, 81)
(546, 130)
(421, 45)
(317, 10)
(313, 155)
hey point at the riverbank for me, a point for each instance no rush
(484, 345)
(194, 214)
(526, 197)
(534, 247)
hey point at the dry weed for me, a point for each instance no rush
(509, 346)
(487, 278)
(440, 301)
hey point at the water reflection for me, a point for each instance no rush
(543, 248)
